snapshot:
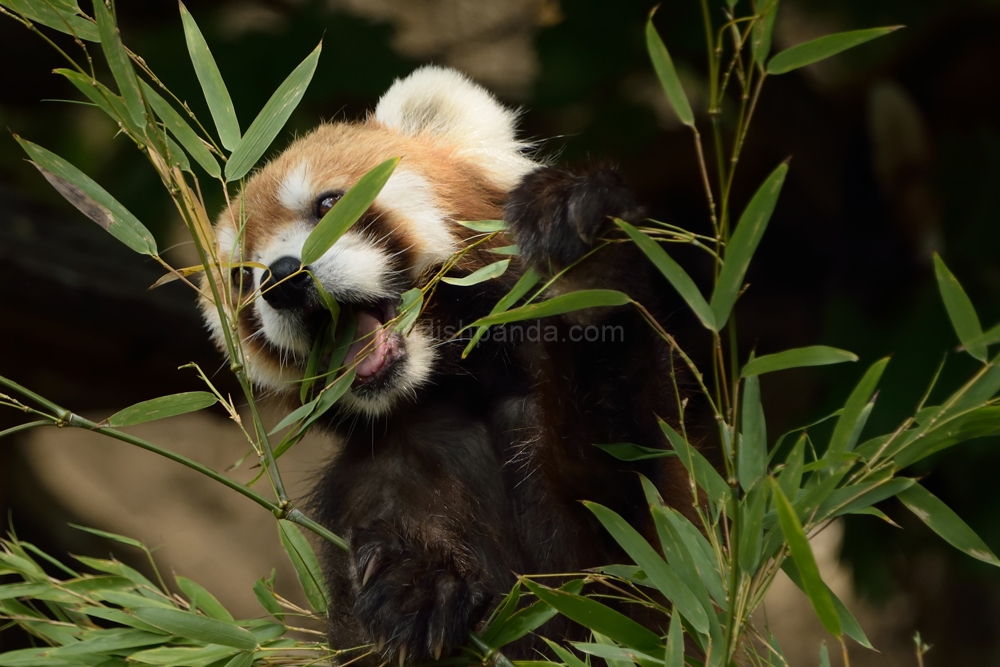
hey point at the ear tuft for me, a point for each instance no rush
(444, 103)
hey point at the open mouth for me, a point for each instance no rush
(377, 348)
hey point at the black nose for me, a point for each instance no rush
(282, 292)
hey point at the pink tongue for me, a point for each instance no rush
(370, 342)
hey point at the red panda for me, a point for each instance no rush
(456, 474)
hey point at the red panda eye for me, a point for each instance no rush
(326, 201)
(241, 278)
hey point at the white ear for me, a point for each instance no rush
(445, 103)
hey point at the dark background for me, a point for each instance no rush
(895, 152)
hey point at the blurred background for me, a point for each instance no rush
(896, 153)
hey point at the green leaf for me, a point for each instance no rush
(161, 408)
(662, 575)
(347, 211)
(119, 569)
(565, 303)
(105, 641)
(528, 279)
(267, 599)
(529, 619)
(111, 536)
(486, 226)
(850, 625)
(943, 521)
(214, 88)
(689, 552)
(824, 655)
(501, 613)
(854, 410)
(269, 122)
(567, 656)
(33, 657)
(762, 30)
(988, 338)
(751, 455)
(752, 528)
(120, 617)
(103, 98)
(611, 652)
(202, 599)
(244, 659)
(673, 272)
(849, 499)
(876, 513)
(815, 355)
(23, 590)
(626, 451)
(675, 642)
(183, 656)
(306, 566)
(598, 617)
(705, 475)
(506, 250)
(664, 67)
(488, 272)
(960, 310)
(802, 554)
(198, 628)
(295, 415)
(822, 48)
(182, 131)
(121, 66)
(56, 15)
(411, 302)
(790, 478)
(90, 198)
(321, 347)
(743, 243)
(976, 423)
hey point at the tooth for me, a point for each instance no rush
(402, 655)
(369, 570)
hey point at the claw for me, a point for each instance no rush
(402, 655)
(380, 644)
(438, 647)
(369, 569)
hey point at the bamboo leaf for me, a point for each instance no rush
(626, 451)
(103, 98)
(306, 566)
(752, 528)
(220, 104)
(802, 554)
(565, 303)
(790, 478)
(567, 656)
(347, 211)
(267, 599)
(162, 407)
(675, 642)
(847, 423)
(182, 131)
(815, 355)
(613, 653)
(762, 30)
(528, 279)
(105, 641)
(598, 617)
(90, 198)
(488, 272)
(270, 120)
(751, 455)
(960, 310)
(988, 338)
(183, 656)
(56, 15)
(111, 536)
(942, 520)
(411, 302)
(121, 66)
(673, 272)
(662, 576)
(706, 476)
(743, 243)
(243, 659)
(822, 48)
(198, 628)
(529, 619)
(664, 67)
(485, 226)
(202, 599)
(850, 624)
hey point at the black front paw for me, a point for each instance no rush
(415, 601)
(556, 215)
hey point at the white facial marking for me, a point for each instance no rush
(296, 189)
(409, 196)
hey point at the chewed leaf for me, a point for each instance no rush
(960, 310)
(942, 520)
(90, 198)
(822, 48)
(271, 119)
(489, 272)
(347, 211)
(162, 407)
(815, 355)
(220, 104)
(667, 74)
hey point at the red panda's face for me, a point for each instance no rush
(459, 159)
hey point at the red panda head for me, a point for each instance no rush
(460, 158)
